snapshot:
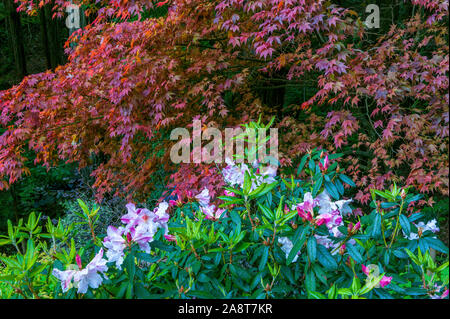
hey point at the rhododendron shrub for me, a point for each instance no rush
(262, 236)
(129, 81)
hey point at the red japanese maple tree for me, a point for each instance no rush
(128, 83)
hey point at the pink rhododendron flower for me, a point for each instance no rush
(142, 235)
(227, 193)
(161, 213)
(268, 174)
(203, 197)
(233, 174)
(212, 212)
(308, 203)
(141, 225)
(134, 216)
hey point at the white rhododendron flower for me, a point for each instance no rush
(141, 225)
(91, 276)
(422, 227)
(286, 247)
(209, 210)
(115, 243)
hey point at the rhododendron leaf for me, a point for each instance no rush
(247, 182)
(392, 213)
(257, 190)
(376, 226)
(355, 286)
(320, 274)
(332, 190)
(235, 218)
(388, 204)
(383, 294)
(312, 249)
(234, 190)
(370, 285)
(267, 188)
(347, 180)
(317, 186)
(416, 216)
(413, 198)
(160, 245)
(404, 222)
(297, 245)
(354, 253)
(263, 260)
(312, 166)
(310, 281)
(339, 187)
(335, 155)
(384, 195)
(266, 211)
(231, 202)
(302, 164)
(325, 258)
(436, 244)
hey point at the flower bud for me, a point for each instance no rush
(350, 228)
(342, 249)
(356, 227)
(78, 260)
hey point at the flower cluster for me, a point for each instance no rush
(234, 174)
(329, 213)
(140, 227)
(208, 209)
(91, 276)
(422, 227)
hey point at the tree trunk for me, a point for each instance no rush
(15, 33)
(54, 48)
(44, 37)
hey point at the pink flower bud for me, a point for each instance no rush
(326, 162)
(319, 221)
(356, 227)
(172, 202)
(365, 270)
(350, 227)
(342, 249)
(170, 237)
(78, 260)
(385, 281)
(129, 237)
